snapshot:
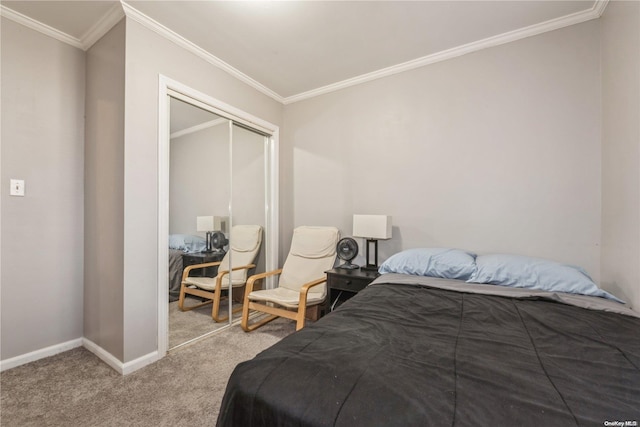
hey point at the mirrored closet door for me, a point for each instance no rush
(199, 196)
(248, 205)
(218, 216)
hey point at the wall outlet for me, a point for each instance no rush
(17, 187)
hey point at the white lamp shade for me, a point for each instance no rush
(372, 226)
(204, 223)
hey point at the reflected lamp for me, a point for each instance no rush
(205, 223)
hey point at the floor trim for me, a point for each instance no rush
(115, 363)
(40, 354)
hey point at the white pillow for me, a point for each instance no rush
(187, 243)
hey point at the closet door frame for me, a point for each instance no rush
(168, 87)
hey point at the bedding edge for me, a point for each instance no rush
(583, 301)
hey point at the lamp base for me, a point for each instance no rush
(209, 245)
(371, 266)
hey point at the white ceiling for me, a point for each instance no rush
(295, 49)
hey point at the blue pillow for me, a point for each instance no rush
(187, 243)
(433, 262)
(534, 273)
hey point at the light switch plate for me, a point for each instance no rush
(17, 187)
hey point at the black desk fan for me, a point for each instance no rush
(347, 250)
(216, 240)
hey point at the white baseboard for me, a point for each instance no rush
(111, 360)
(105, 356)
(39, 354)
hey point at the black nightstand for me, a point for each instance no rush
(343, 283)
(201, 258)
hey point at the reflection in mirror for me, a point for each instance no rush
(248, 202)
(199, 195)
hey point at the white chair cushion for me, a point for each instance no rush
(245, 244)
(238, 259)
(313, 251)
(314, 242)
(286, 297)
(209, 283)
(246, 238)
(297, 271)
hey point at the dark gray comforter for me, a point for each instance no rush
(415, 355)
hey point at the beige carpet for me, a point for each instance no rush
(187, 325)
(185, 388)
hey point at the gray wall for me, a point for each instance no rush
(104, 192)
(495, 151)
(248, 177)
(199, 176)
(147, 55)
(621, 150)
(42, 143)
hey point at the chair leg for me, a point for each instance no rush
(244, 323)
(300, 317)
(245, 317)
(215, 310)
(181, 299)
(191, 307)
(252, 327)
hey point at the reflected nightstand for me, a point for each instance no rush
(201, 258)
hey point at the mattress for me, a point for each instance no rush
(175, 273)
(416, 351)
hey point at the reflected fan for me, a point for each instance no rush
(347, 250)
(218, 240)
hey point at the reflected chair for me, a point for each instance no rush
(243, 250)
(302, 281)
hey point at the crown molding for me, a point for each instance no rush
(111, 18)
(160, 29)
(118, 11)
(575, 18)
(102, 27)
(40, 27)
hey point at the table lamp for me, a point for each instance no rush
(372, 228)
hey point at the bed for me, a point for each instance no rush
(175, 273)
(416, 350)
(180, 244)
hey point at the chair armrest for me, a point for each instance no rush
(185, 272)
(252, 280)
(304, 290)
(223, 273)
(242, 267)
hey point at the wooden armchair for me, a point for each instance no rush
(302, 281)
(244, 248)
